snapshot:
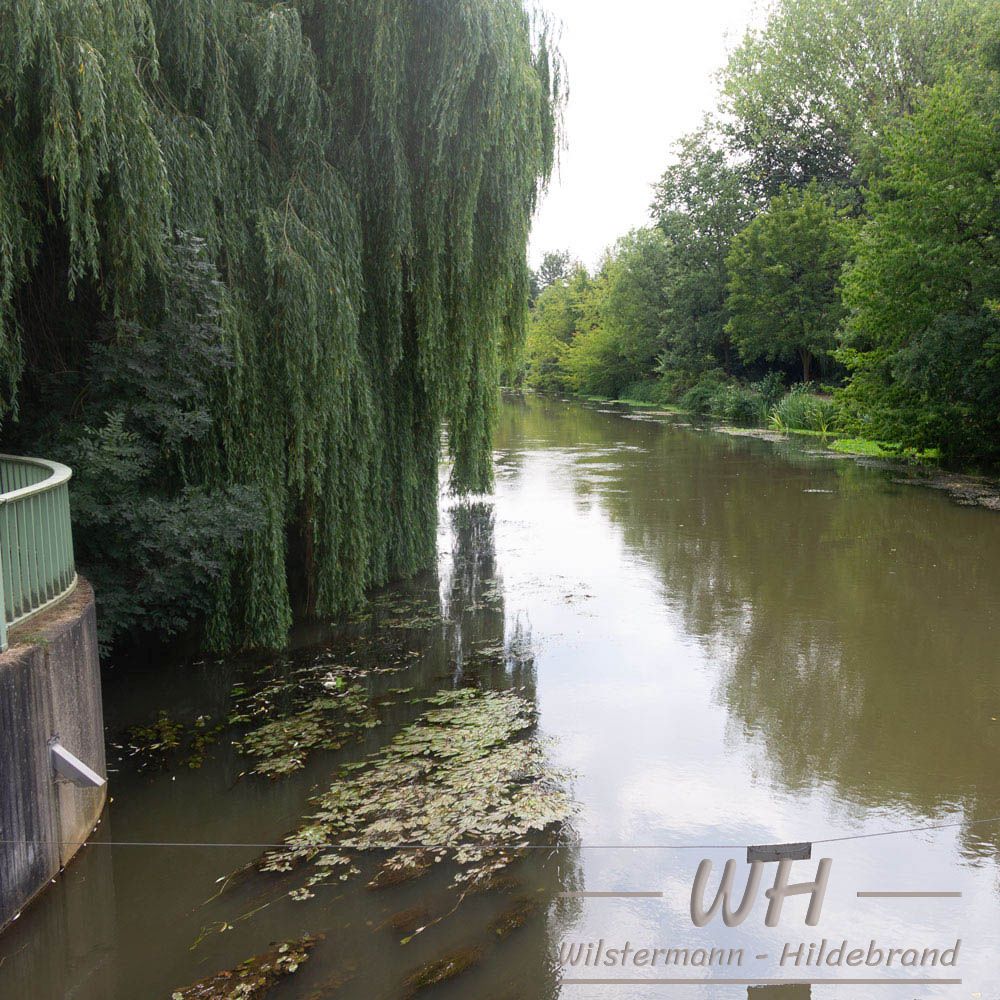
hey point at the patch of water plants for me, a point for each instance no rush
(297, 706)
(402, 611)
(295, 711)
(165, 742)
(254, 978)
(468, 782)
(300, 705)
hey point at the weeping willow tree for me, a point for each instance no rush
(357, 178)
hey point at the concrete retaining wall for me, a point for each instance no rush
(50, 687)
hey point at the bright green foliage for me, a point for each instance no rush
(555, 318)
(594, 365)
(801, 410)
(598, 335)
(636, 298)
(809, 94)
(924, 332)
(617, 342)
(700, 205)
(362, 176)
(784, 272)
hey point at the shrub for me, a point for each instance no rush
(704, 397)
(654, 392)
(771, 388)
(151, 530)
(742, 405)
(802, 411)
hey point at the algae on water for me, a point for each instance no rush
(295, 708)
(165, 742)
(254, 978)
(468, 782)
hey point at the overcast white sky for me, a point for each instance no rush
(640, 75)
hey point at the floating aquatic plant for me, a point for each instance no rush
(320, 712)
(467, 781)
(515, 916)
(442, 970)
(165, 742)
(299, 706)
(254, 978)
(403, 611)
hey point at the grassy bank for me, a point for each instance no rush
(794, 407)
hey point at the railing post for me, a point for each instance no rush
(3, 602)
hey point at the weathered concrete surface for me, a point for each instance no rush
(50, 687)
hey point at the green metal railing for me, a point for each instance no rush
(36, 539)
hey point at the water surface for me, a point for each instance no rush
(729, 642)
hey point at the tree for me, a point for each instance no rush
(555, 319)
(635, 298)
(784, 272)
(700, 204)
(557, 265)
(362, 177)
(153, 539)
(618, 326)
(922, 337)
(810, 94)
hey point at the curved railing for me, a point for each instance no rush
(36, 540)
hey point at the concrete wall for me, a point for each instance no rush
(50, 687)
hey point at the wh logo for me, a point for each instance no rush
(776, 894)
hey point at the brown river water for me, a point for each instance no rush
(729, 642)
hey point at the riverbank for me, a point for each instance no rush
(967, 488)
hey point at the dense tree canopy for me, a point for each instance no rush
(809, 95)
(784, 276)
(556, 317)
(359, 177)
(700, 204)
(836, 217)
(923, 337)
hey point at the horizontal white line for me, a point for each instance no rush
(760, 982)
(611, 895)
(909, 895)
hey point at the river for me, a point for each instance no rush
(729, 642)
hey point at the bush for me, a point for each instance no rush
(741, 405)
(800, 410)
(771, 388)
(594, 364)
(704, 397)
(151, 529)
(654, 392)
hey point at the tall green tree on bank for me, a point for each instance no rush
(600, 334)
(556, 265)
(809, 95)
(923, 336)
(620, 336)
(700, 204)
(359, 176)
(557, 316)
(784, 275)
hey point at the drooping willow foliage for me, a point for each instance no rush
(360, 174)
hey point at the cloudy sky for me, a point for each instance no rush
(641, 74)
